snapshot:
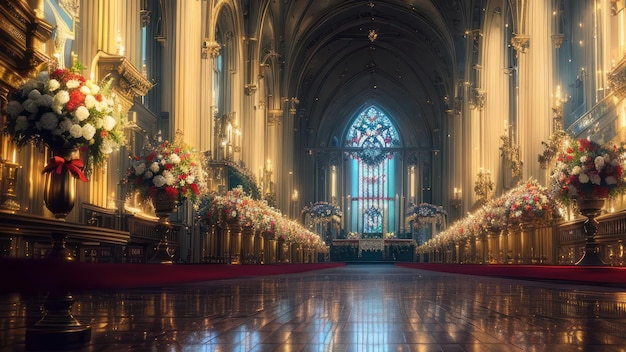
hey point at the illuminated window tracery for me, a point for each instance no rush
(372, 172)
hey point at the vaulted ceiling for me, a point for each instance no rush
(402, 55)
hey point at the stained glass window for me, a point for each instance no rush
(372, 173)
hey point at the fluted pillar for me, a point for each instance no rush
(535, 88)
(186, 64)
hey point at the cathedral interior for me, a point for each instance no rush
(318, 133)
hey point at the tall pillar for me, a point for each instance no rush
(186, 48)
(535, 86)
(273, 136)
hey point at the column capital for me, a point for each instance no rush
(274, 117)
(521, 43)
(210, 49)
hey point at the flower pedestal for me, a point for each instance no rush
(58, 327)
(590, 208)
(247, 245)
(234, 236)
(259, 248)
(270, 250)
(164, 205)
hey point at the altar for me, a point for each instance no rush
(373, 250)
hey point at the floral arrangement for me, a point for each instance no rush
(493, 215)
(322, 212)
(236, 206)
(352, 235)
(223, 208)
(529, 202)
(585, 169)
(425, 214)
(171, 168)
(63, 110)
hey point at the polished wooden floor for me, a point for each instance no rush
(364, 307)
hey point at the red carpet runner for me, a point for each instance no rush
(592, 275)
(19, 275)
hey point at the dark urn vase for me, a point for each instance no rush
(590, 208)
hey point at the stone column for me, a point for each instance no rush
(185, 54)
(535, 85)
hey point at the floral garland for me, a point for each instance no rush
(236, 207)
(527, 203)
(172, 168)
(585, 169)
(63, 110)
(322, 212)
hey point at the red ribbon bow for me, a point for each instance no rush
(75, 166)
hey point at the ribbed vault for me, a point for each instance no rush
(400, 55)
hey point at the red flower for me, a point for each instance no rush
(58, 74)
(76, 99)
(583, 145)
(171, 191)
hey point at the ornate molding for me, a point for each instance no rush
(521, 43)
(557, 40)
(71, 7)
(617, 79)
(21, 33)
(128, 82)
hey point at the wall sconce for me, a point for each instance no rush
(294, 196)
(456, 198)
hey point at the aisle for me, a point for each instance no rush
(374, 307)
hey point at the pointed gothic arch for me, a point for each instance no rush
(371, 173)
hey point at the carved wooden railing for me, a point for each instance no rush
(610, 238)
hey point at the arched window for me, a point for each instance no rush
(372, 173)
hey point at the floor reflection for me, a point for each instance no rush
(351, 308)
